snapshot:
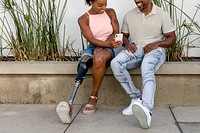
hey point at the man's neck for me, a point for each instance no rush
(148, 9)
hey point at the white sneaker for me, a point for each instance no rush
(128, 110)
(142, 114)
(63, 110)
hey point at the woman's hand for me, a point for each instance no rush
(116, 44)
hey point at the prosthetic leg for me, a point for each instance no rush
(82, 69)
(64, 110)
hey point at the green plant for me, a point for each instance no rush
(185, 28)
(37, 25)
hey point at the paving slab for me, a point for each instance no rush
(30, 118)
(187, 114)
(188, 118)
(108, 119)
(190, 127)
(42, 118)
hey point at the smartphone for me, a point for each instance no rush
(118, 37)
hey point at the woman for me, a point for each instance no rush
(99, 26)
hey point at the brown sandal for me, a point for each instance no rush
(90, 108)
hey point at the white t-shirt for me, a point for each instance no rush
(147, 29)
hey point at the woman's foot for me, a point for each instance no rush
(90, 107)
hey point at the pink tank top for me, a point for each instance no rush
(100, 26)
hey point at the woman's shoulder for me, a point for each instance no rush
(83, 17)
(110, 10)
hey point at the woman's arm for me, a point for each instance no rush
(83, 22)
(115, 24)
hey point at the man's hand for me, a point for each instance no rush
(131, 47)
(149, 47)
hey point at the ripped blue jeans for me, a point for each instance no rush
(149, 64)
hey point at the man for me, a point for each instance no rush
(151, 31)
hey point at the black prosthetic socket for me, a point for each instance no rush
(82, 68)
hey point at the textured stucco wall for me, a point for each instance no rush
(177, 84)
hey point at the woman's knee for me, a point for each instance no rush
(99, 61)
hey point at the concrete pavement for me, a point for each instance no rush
(42, 118)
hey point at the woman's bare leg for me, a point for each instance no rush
(100, 60)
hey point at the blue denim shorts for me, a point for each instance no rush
(90, 51)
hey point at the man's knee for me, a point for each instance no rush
(114, 64)
(147, 66)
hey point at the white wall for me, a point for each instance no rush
(190, 8)
(76, 8)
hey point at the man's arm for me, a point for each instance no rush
(170, 39)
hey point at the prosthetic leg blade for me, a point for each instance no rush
(63, 110)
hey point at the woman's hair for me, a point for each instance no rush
(88, 2)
